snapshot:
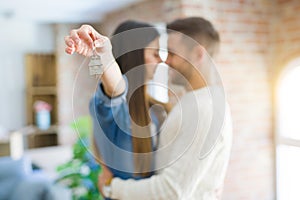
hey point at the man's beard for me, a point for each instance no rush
(177, 78)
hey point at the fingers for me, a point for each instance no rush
(69, 50)
(72, 42)
(75, 37)
(78, 41)
(70, 47)
(82, 41)
(94, 34)
(85, 35)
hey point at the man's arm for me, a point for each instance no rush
(174, 182)
(180, 179)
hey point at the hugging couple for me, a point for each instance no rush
(147, 152)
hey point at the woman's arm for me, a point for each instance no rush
(83, 41)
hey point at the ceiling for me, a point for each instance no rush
(60, 11)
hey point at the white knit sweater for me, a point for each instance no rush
(183, 174)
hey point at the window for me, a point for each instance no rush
(158, 87)
(288, 133)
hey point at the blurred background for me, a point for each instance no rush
(259, 63)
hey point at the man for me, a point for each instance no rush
(195, 142)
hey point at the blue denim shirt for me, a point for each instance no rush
(112, 132)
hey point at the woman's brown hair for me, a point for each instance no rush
(128, 49)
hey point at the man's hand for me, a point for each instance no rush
(104, 178)
(84, 39)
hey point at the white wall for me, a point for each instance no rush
(17, 39)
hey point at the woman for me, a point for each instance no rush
(120, 107)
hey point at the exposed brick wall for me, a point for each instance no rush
(149, 11)
(286, 35)
(244, 27)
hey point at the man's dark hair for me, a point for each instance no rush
(200, 30)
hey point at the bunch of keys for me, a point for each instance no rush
(95, 65)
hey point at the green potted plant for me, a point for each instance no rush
(80, 174)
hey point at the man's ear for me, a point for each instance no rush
(199, 51)
(197, 55)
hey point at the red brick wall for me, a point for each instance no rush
(149, 11)
(286, 35)
(243, 63)
(258, 39)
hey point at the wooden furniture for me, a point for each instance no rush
(42, 138)
(41, 85)
(4, 148)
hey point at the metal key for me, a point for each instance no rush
(95, 65)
